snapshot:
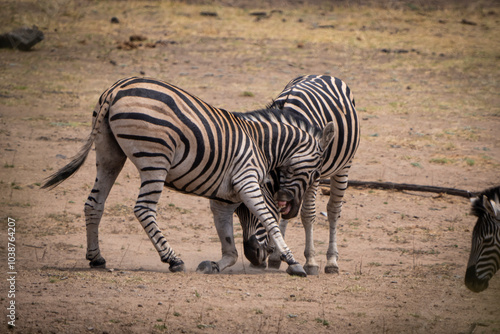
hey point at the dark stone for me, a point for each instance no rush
(465, 21)
(259, 14)
(211, 14)
(22, 38)
(115, 20)
(137, 38)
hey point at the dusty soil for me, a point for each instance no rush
(426, 87)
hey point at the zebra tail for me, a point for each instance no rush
(57, 178)
(64, 173)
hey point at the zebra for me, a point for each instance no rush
(484, 258)
(176, 140)
(320, 99)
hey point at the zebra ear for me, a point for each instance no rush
(327, 136)
(491, 207)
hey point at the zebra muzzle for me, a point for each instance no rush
(284, 207)
(473, 282)
(288, 206)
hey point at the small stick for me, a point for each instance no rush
(119, 264)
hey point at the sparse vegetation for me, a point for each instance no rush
(324, 322)
(441, 161)
(248, 94)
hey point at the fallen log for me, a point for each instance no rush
(406, 186)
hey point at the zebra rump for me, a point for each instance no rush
(484, 258)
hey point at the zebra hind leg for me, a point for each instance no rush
(223, 219)
(145, 211)
(109, 162)
(338, 186)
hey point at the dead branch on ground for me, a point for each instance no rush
(406, 186)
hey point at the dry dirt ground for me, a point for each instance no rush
(426, 79)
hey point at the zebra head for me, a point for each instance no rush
(484, 259)
(300, 172)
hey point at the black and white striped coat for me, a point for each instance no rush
(484, 258)
(321, 100)
(177, 140)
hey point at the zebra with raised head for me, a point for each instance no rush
(321, 100)
(177, 140)
(484, 258)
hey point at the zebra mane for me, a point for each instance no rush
(478, 208)
(280, 104)
(276, 115)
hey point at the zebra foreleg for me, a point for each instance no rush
(109, 162)
(338, 185)
(145, 211)
(274, 260)
(223, 218)
(308, 217)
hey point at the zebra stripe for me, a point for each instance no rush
(175, 139)
(320, 100)
(484, 258)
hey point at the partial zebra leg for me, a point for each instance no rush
(152, 182)
(223, 218)
(338, 186)
(109, 162)
(274, 260)
(308, 217)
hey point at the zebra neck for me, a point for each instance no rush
(281, 116)
(277, 142)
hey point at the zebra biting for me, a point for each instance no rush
(484, 258)
(176, 140)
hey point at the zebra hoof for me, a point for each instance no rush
(177, 266)
(99, 263)
(208, 267)
(331, 270)
(263, 265)
(312, 270)
(273, 264)
(296, 270)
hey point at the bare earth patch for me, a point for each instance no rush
(426, 88)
